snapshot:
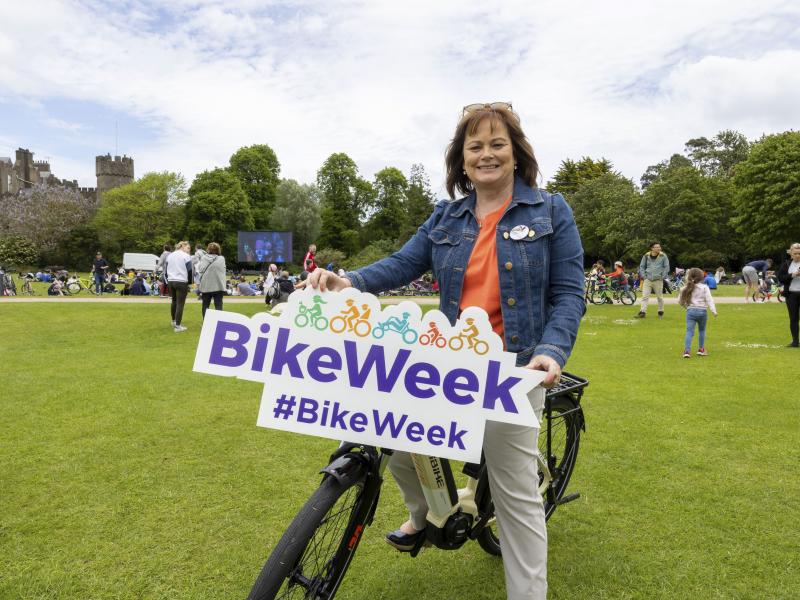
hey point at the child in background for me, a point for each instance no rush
(696, 298)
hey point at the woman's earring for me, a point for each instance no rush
(463, 171)
(515, 166)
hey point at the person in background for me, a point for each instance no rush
(179, 273)
(618, 278)
(789, 276)
(99, 268)
(719, 274)
(244, 287)
(653, 268)
(750, 274)
(696, 298)
(310, 256)
(535, 311)
(211, 269)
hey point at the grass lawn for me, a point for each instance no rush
(123, 474)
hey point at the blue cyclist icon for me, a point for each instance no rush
(397, 325)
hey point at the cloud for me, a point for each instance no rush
(60, 124)
(385, 82)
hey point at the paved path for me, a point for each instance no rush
(423, 300)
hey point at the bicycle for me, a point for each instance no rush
(27, 280)
(603, 295)
(479, 346)
(774, 290)
(77, 284)
(306, 315)
(312, 557)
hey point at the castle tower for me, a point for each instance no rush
(112, 172)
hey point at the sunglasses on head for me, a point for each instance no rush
(471, 108)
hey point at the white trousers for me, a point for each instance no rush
(510, 452)
(657, 286)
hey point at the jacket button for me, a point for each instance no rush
(531, 233)
(511, 302)
(505, 235)
(508, 266)
(514, 339)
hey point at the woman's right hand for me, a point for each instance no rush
(325, 281)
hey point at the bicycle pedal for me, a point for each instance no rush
(568, 498)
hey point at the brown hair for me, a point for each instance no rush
(213, 248)
(527, 167)
(693, 277)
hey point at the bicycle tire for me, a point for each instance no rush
(74, 288)
(598, 297)
(628, 298)
(565, 440)
(283, 575)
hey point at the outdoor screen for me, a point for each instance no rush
(265, 247)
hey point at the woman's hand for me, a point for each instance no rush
(542, 362)
(325, 281)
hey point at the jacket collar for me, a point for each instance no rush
(523, 194)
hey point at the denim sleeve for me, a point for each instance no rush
(565, 295)
(402, 267)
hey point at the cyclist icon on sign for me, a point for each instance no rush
(470, 334)
(312, 314)
(351, 319)
(398, 325)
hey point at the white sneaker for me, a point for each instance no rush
(179, 328)
(173, 323)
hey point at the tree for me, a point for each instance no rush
(372, 253)
(297, 209)
(45, 215)
(17, 251)
(141, 216)
(216, 210)
(571, 174)
(718, 156)
(767, 200)
(606, 211)
(688, 213)
(258, 170)
(388, 217)
(345, 199)
(653, 172)
(418, 204)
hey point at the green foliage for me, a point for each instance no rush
(388, 216)
(345, 198)
(141, 216)
(297, 209)
(419, 202)
(606, 210)
(17, 251)
(373, 253)
(718, 156)
(571, 174)
(258, 170)
(325, 256)
(76, 251)
(216, 210)
(768, 194)
(653, 172)
(688, 213)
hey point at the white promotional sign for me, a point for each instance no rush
(337, 366)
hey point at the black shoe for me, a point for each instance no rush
(793, 345)
(404, 542)
(641, 315)
(661, 314)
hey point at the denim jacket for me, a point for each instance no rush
(541, 274)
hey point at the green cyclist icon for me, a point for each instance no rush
(397, 325)
(312, 314)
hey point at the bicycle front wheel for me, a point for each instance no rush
(598, 297)
(627, 297)
(311, 558)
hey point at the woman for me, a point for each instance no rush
(789, 276)
(179, 269)
(211, 269)
(514, 250)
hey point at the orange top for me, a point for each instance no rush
(481, 279)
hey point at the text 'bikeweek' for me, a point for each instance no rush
(341, 366)
(231, 347)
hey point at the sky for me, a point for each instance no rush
(181, 85)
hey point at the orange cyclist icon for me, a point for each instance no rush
(352, 319)
(433, 337)
(470, 334)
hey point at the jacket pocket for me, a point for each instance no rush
(442, 244)
(533, 246)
